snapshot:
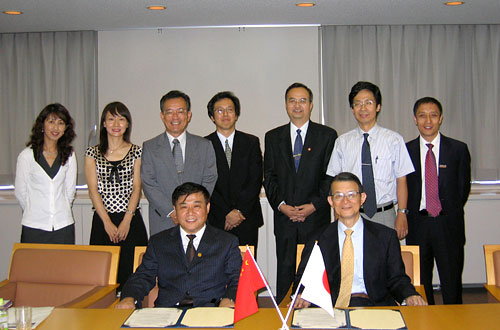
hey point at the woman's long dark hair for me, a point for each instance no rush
(64, 147)
(116, 109)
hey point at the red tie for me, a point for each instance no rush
(432, 202)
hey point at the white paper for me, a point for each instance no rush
(317, 318)
(153, 317)
(38, 314)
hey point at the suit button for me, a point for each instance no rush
(187, 293)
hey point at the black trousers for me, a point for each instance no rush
(438, 242)
(65, 235)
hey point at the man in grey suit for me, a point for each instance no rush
(172, 158)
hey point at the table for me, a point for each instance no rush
(477, 316)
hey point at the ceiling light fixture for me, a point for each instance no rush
(12, 12)
(454, 3)
(305, 4)
(156, 7)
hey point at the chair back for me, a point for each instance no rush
(56, 274)
(298, 256)
(492, 263)
(411, 259)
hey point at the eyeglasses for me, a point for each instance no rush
(171, 112)
(300, 101)
(359, 104)
(221, 111)
(351, 195)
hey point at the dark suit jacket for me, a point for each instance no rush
(159, 174)
(237, 187)
(454, 184)
(310, 184)
(383, 267)
(213, 274)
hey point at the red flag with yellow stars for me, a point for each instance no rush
(250, 281)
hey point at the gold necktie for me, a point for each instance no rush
(347, 271)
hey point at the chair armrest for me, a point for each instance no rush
(421, 291)
(8, 290)
(99, 297)
(494, 291)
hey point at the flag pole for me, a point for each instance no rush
(285, 326)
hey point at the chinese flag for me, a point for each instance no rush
(250, 281)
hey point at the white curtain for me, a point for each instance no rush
(457, 64)
(37, 69)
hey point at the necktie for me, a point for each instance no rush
(370, 205)
(228, 153)
(432, 202)
(177, 153)
(190, 250)
(297, 150)
(347, 272)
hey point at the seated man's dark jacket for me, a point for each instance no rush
(384, 270)
(212, 275)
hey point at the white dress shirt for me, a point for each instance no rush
(229, 139)
(46, 202)
(358, 281)
(390, 159)
(423, 152)
(303, 132)
(196, 240)
(182, 143)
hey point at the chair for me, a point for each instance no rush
(76, 276)
(411, 259)
(298, 257)
(149, 300)
(492, 262)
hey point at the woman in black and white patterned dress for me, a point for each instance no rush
(113, 177)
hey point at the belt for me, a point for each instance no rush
(426, 214)
(382, 208)
(360, 295)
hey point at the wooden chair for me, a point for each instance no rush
(492, 263)
(411, 259)
(298, 257)
(76, 276)
(149, 300)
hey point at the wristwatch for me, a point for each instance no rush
(404, 211)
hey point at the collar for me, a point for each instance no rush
(229, 139)
(372, 132)
(199, 233)
(181, 138)
(435, 142)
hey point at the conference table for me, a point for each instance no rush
(477, 316)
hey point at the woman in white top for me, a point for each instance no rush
(46, 179)
(113, 170)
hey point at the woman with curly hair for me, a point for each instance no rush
(46, 179)
(113, 170)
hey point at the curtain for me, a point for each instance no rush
(37, 69)
(457, 64)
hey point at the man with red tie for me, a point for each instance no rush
(437, 193)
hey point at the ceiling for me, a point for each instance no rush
(70, 15)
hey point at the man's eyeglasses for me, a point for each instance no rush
(339, 196)
(359, 104)
(221, 111)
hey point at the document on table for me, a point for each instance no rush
(153, 317)
(376, 319)
(208, 317)
(317, 318)
(38, 315)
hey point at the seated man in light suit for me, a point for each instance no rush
(209, 279)
(379, 273)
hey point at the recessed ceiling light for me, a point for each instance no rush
(454, 3)
(12, 12)
(157, 7)
(305, 4)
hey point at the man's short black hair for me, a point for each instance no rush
(189, 188)
(175, 94)
(425, 100)
(347, 177)
(361, 85)
(299, 85)
(223, 95)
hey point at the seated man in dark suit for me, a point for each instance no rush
(379, 276)
(196, 264)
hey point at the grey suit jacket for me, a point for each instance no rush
(160, 178)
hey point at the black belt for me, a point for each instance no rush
(382, 208)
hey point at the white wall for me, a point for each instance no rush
(138, 67)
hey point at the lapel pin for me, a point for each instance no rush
(308, 149)
(442, 166)
(199, 254)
